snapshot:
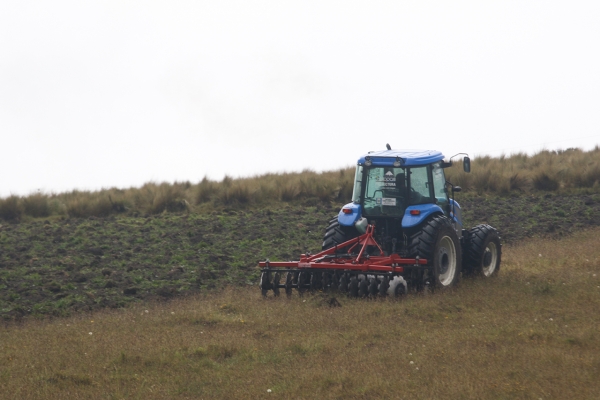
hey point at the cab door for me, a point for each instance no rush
(439, 187)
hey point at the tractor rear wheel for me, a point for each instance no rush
(337, 234)
(438, 242)
(483, 251)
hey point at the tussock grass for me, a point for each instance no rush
(11, 209)
(547, 171)
(530, 333)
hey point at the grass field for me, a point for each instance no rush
(530, 333)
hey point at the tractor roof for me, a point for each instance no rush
(409, 158)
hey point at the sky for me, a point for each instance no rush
(99, 94)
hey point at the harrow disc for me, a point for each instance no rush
(343, 286)
(353, 287)
(289, 278)
(275, 284)
(265, 283)
(384, 286)
(303, 280)
(363, 288)
(373, 287)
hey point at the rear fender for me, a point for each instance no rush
(424, 211)
(350, 218)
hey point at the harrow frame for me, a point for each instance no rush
(330, 261)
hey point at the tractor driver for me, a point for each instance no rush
(401, 184)
(416, 197)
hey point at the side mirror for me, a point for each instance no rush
(467, 164)
(456, 189)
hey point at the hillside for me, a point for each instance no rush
(57, 266)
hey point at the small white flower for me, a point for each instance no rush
(551, 319)
(412, 362)
(90, 333)
(540, 254)
(472, 326)
(594, 275)
(269, 390)
(417, 368)
(410, 354)
(146, 311)
(304, 301)
(172, 312)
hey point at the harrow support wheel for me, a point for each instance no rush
(397, 287)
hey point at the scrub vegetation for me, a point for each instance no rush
(529, 333)
(563, 171)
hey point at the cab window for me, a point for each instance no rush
(420, 187)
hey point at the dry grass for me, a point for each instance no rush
(530, 333)
(568, 170)
(545, 171)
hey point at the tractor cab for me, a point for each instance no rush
(389, 191)
(397, 190)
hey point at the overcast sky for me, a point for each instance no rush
(118, 93)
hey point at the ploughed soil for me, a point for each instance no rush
(58, 266)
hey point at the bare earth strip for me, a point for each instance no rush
(59, 266)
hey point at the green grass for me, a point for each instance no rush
(530, 333)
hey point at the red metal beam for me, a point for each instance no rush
(359, 263)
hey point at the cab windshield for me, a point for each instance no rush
(386, 190)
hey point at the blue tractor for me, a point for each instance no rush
(403, 229)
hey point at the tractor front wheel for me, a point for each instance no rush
(483, 251)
